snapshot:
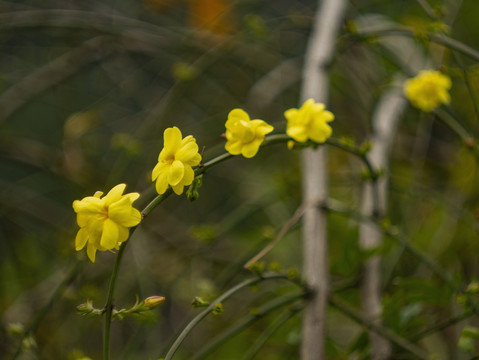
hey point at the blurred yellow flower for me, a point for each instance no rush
(244, 136)
(104, 221)
(309, 122)
(175, 162)
(428, 90)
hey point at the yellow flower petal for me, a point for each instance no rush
(249, 150)
(156, 171)
(91, 252)
(162, 183)
(114, 194)
(172, 139)
(233, 147)
(194, 161)
(176, 172)
(238, 114)
(123, 234)
(261, 127)
(320, 131)
(82, 219)
(109, 237)
(122, 214)
(187, 140)
(88, 204)
(186, 152)
(81, 239)
(132, 196)
(178, 189)
(297, 133)
(189, 176)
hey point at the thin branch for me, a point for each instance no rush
(226, 295)
(245, 322)
(443, 325)
(282, 319)
(290, 223)
(378, 329)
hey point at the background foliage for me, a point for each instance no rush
(88, 88)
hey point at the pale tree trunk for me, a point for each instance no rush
(315, 250)
(385, 119)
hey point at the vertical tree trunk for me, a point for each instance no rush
(315, 250)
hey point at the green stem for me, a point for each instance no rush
(109, 302)
(226, 295)
(245, 322)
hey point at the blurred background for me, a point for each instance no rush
(86, 91)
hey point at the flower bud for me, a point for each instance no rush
(218, 309)
(192, 192)
(153, 302)
(199, 302)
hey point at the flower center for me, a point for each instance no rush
(247, 133)
(104, 213)
(169, 159)
(430, 89)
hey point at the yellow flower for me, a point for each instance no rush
(175, 162)
(428, 90)
(309, 122)
(104, 221)
(244, 136)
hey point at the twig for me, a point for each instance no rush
(293, 220)
(226, 295)
(444, 325)
(245, 322)
(282, 319)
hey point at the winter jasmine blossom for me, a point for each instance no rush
(310, 122)
(105, 221)
(175, 162)
(244, 136)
